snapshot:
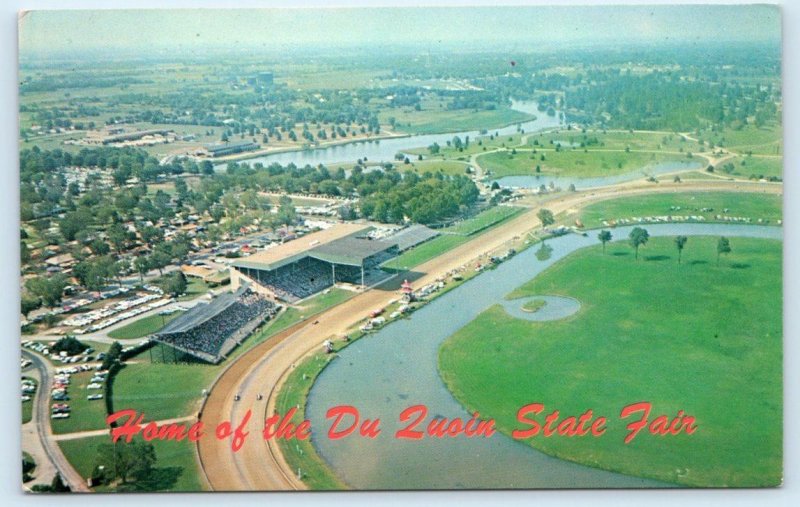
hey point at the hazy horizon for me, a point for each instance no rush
(514, 28)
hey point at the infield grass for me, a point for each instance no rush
(697, 337)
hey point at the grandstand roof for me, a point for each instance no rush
(412, 236)
(201, 312)
(350, 251)
(295, 250)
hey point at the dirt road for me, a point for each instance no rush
(259, 465)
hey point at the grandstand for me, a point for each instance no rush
(208, 332)
(305, 266)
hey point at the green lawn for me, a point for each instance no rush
(144, 326)
(426, 251)
(755, 206)
(434, 121)
(162, 391)
(324, 300)
(619, 140)
(697, 337)
(759, 166)
(84, 414)
(449, 167)
(765, 140)
(570, 163)
(484, 219)
(196, 287)
(176, 467)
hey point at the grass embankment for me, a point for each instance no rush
(483, 220)
(143, 327)
(175, 468)
(575, 163)
(454, 236)
(696, 337)
(754, 206)
(301, 455)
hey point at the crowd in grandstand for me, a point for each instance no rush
(209, 336)
(299, 281)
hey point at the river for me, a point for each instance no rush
(397, 367)
(384, 150)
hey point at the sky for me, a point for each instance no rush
(132, 30)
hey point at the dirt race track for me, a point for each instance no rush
(258, 465)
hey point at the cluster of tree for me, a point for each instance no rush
(124, 462)
(426, 199)
(57, 485)
(69, 344)
(173, 284)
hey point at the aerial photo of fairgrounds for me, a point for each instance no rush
(485, 248)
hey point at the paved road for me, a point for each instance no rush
(262, 370)
(44, 432)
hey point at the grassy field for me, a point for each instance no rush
(85, 414)
(759, 166)
(433, 121)
(755, 206)
(570, 163)
(765, 140)
(484, 219)
(449, 167)
(693, 337)
(176, 467)
(426, 251)
(611, 140)
(27, 406)
(143, 327)
(161, 391)
(196, 287)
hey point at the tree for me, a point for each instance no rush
(159, 260)
(723, 247)
(126, 461)
(49, 290)
(680, 242)
(29, 304)
(286, 211)
(112, 356)
(142, 265)
(174, 284)
(638, 237)
(604, 237)
(546, 217)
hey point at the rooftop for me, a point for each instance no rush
(296, 249)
